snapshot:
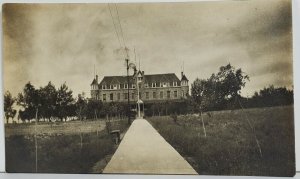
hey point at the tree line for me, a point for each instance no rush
(57, 104)
(221, 91)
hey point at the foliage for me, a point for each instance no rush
(46, 102)
(30, 100)
(81, 107)
(9, 101)
(270, 96)
(48, 98)
(215, 92)
(93, 109)
(65, 102)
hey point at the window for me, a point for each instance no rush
(125, 86)
(157, 84)
(111, 96)
(161, 85)
(147, 95)
(133, 86)
(154, 95)
(103, 86)
(104, 97)
(175, 94)
(168, 94)
(161, 94)
(146, 85)
(132, 96)
(182, 93)
(140, 95)
(174, 83)
(114, 86)
(153, 85)
(126, 96)
(119, 96)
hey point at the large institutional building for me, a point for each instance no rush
(152, 88)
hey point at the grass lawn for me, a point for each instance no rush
(230, 147)
(59, 153)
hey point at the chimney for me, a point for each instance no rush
(97, 79)
(142, 73)
(181, 74)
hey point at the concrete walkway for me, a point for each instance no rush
(144, 151)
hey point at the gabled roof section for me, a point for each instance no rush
(94, 82)
(184, 78)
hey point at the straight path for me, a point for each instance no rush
(144, 151)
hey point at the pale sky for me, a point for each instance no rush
(62, 42)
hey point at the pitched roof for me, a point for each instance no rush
(116, 80)
(94, 82)
(169, 77)
(184, 78)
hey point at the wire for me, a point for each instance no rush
(115, 27)
(122, 34)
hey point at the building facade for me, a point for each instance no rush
(152, 88)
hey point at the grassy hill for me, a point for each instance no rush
(230, 147)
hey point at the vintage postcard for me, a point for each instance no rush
(191, 88)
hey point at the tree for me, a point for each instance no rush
(29, 99)
(48, 97)
(64, 102)
(218, 90)
(93, 109)
(231, 81)
(271, 96)
(81, 106)
(9, 101)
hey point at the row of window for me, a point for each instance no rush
(133, 86)
(147, 95)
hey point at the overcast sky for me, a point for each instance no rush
(62, 42)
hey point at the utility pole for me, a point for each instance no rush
(128, 110)
(35, 140)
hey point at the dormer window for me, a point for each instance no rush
(103, 86)
(139, 78)
(125, 86)
(114, 86)
(133, 86)
(146, 85)
(174, 83)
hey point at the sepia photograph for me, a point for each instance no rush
(164, 88)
